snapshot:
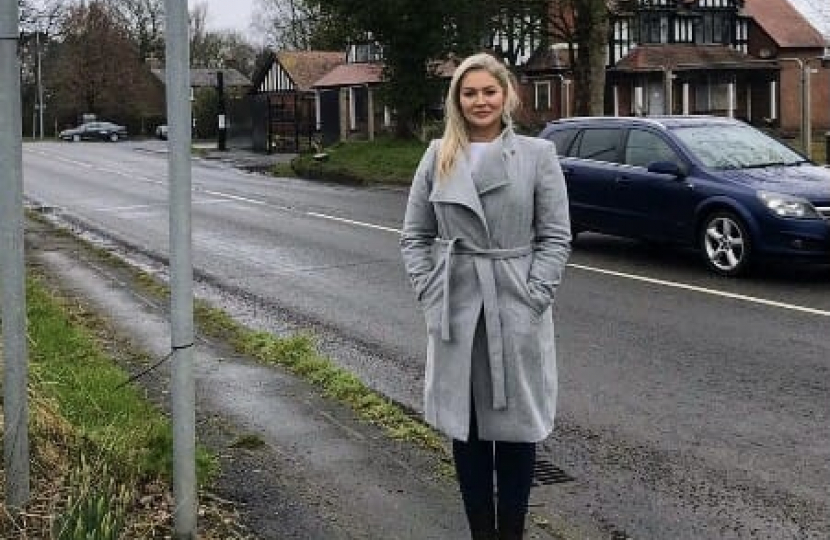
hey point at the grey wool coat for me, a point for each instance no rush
(485, 250)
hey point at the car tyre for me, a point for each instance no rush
(113, 137)
(76, 138)
(726, 244)
(575, 232)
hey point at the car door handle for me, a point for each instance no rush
(623, 179)
(567, 170)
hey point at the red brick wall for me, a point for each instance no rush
(791, 94)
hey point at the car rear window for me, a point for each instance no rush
(601, 144)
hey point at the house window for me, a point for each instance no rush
(622, 40)
(541, 95)
(684, 30)
(654, 28)
(741, 35)
(362, 53)
(716, 28)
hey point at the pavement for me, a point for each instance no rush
(242, 158)
(320, 473)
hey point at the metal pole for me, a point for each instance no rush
(806, 120)
(39, 83)
(221, 133)
(181, 272)
(12, 271)
(40, 86)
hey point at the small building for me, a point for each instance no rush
(287, 109)
(345, 97)
(782, 33)
(545, 87)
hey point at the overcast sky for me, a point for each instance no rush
(224, 14)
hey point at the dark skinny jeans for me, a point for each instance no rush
(513, 462)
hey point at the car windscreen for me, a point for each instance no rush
(724, 147)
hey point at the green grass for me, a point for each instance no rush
(383, 160)
(299, 355)
(84, 382)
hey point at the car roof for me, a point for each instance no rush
(664, 122)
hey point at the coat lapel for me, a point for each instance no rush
(493, 172)
(458, 188)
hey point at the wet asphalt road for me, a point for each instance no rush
(691, 407)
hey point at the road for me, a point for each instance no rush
(691, 406)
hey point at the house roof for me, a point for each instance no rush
(817, 13)
(306, 67)
(207, 77)
(784, 24)
(351, 75)
(684, 57)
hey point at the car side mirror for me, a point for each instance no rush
(665, 167)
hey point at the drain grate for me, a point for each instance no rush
(546, 473)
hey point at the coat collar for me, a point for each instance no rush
(460, 187)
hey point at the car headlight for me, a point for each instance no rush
(789, 206)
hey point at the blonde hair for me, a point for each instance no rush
(456, 138)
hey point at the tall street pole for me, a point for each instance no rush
(12, 272)
(39, 82)
(181, 272)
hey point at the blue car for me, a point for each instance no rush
(714, 183)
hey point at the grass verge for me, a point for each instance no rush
(297, 354)
(100, 453)
(383, 160)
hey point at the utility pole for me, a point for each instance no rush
(221, 134)
(39, 81)
(183, 395)
(12, 272)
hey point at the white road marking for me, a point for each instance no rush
(233, 197)
(353, 222)
(129, 208)
(704, 290)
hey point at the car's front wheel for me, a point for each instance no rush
(76, 138)
(725, 243)
(113, 137)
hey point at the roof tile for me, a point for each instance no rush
(784, 24)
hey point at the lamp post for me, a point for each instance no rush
(39, 82)
(564, 94)
(806, 113)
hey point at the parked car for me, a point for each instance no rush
(95, 131)
(714, 183)
(161, 132)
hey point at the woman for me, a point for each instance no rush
(485, 240)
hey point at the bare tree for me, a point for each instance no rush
(301, 25)
(97, 69)
(222, 49)
(584, 25)
(144, 20)
(40, 15)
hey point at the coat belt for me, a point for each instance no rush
(483, 261)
